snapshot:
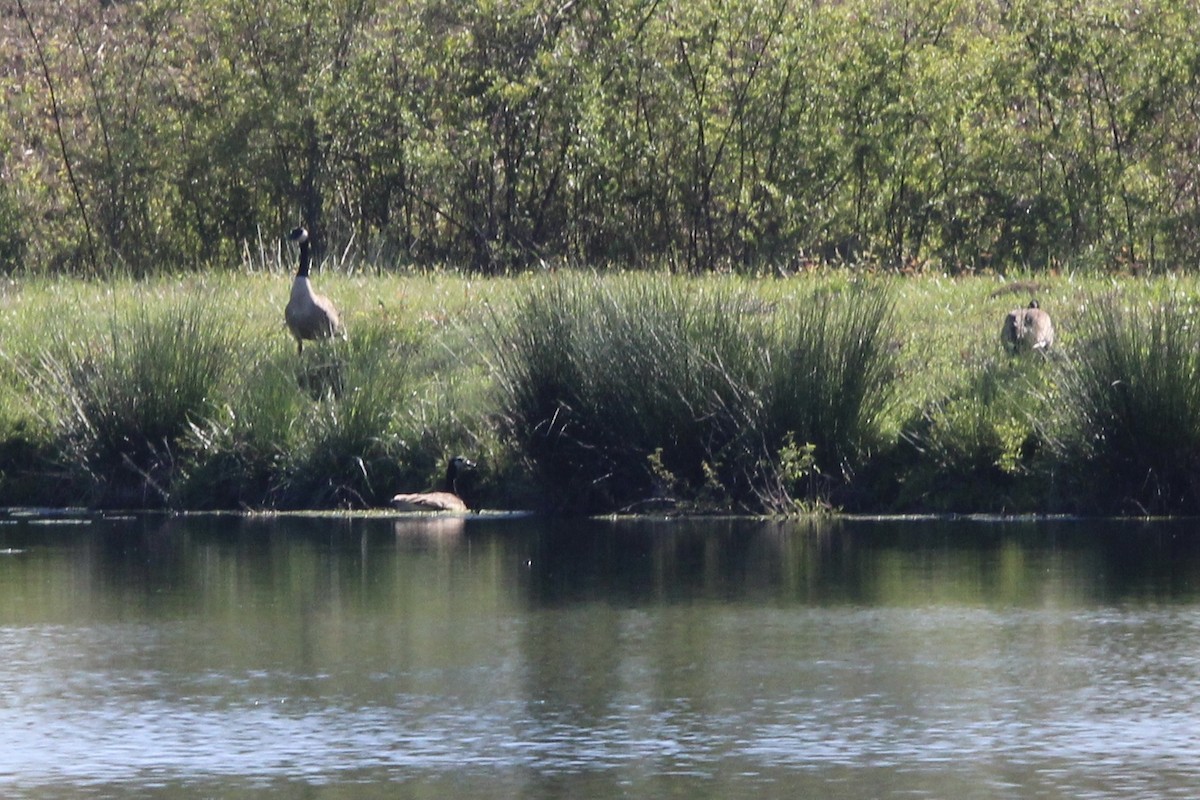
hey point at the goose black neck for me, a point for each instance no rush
(305, 260)
(451, 478)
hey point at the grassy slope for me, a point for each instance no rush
(948, 329)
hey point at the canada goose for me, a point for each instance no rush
(1028, 329)
(447, 500)
(308, 314)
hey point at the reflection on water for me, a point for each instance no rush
(501, 657)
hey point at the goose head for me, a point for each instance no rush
(454, 468)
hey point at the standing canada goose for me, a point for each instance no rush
(308, 314)
(447, 500)
(1028, 329)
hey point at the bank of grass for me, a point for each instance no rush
(581, 392)
(188, 392)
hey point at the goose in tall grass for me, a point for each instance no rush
(446, 500)
(308, 314)
(1028, 329)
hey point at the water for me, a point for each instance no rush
(492, 658)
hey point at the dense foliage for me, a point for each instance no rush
(158, 134)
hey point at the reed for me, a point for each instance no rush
(624, 390)
(1133, 393)
(599, 375)
(832, 376)
(119, 405)
(234, 453)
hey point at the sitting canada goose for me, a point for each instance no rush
(1028, 329)
(447, 500)
(308, 314)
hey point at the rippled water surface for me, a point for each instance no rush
(497, 657)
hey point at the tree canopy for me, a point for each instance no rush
(700, 134)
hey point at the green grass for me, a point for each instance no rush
(584, 392)
(1134, 392)
(188, 392)
(601, 374)
(686, 391)
(979, 448)
(117, 404)
(833, 376)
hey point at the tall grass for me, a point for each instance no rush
(624, 390)
(344, 446)
(330, 430)
(119, 405)
(1133, 390)
(155, 401)
(710, 394)
(601, 374)
(835, 379)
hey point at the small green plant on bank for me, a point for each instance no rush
(710, 496)
(664, 483)
(805, 490)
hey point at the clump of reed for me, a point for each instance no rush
(1133, 396)
(623, 392)
(325, 431)
(831, 378)
(118, 405)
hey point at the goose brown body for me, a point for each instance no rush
(308, 315)
(1028, 329)
(446, 500)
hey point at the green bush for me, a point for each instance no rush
(497, 134)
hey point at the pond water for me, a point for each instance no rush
(211, 656)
